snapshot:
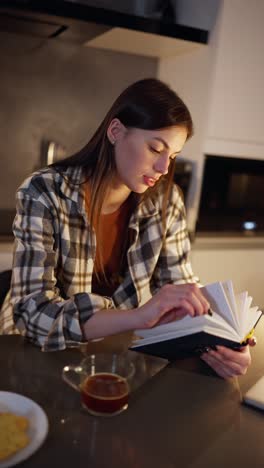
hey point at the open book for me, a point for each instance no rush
(231, 324)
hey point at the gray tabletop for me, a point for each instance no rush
(183, 416)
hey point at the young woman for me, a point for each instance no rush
(101, 244)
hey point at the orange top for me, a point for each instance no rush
(110, 238)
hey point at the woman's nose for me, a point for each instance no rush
(162, 165)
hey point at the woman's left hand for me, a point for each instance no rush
(227, 362)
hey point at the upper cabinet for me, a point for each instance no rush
(144, 27)
(236, 111)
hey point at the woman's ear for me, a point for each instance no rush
(115, 131)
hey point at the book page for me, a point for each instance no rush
(215, 326)
(245, 319)
(230, 294)
(254, 315)
(241, 301)
(186, 326)
(247, 316)
(181, 324)
(216, 296)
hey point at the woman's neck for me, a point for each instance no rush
(114, 199)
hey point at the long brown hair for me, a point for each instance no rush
(148, 104)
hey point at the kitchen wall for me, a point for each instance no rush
(54, 91)
(189, 75)
(240, 260)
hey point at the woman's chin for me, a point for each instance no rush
(137, 188)
(140, 190)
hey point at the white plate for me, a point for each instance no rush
(38, 424)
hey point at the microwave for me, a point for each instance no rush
(232, 196)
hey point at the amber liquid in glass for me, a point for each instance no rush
(105, 393)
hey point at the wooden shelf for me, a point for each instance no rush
(142, 43)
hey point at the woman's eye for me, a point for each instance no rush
(155, 150)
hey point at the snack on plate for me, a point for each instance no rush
(13, 434)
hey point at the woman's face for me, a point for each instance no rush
(143, 156)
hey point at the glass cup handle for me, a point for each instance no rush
(70, 374)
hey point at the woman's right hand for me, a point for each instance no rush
(169, 303)
(172, 302)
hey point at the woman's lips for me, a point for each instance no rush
(149, 181)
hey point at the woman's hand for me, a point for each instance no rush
(172, 302)
(227, 362)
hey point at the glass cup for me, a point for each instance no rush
(103, 381)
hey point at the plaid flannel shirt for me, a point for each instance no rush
(53, 259)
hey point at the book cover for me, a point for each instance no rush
(232, 322)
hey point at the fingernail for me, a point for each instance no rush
(210, 312)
